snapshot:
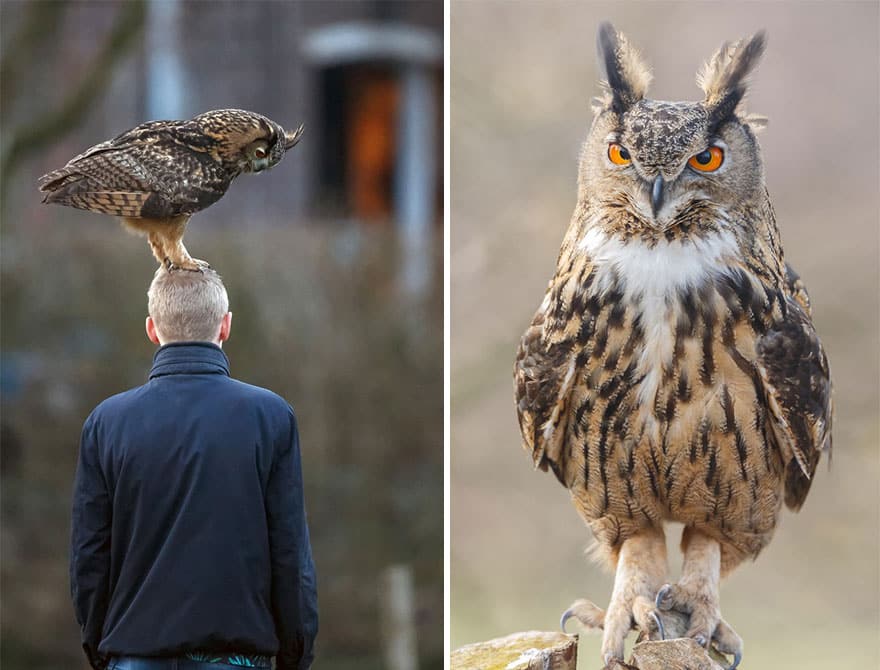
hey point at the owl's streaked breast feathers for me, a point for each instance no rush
(672, 370)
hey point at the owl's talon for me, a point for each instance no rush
(611, 661)
(588, 614)
(663, 601)
(194, 265)
(727, 642)
(566, 615)
(659, 622)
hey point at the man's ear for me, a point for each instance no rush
(225, 326)
(151, 331)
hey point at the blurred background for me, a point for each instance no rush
(333, 263)
(521, 80)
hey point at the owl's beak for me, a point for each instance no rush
(657, 194)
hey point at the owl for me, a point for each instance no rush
(156, 175)
(672, 371)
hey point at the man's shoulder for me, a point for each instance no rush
(117, 402)
(149, 394)
(258, 394)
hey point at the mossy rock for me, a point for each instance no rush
(532, 650)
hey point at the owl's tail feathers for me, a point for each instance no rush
(56, 181)
(59, 186)
(85, 193)
(291, 139)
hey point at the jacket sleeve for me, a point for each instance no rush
(90, 546)
(294, 593)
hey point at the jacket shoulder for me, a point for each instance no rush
(260, 395)
(120, 404)
(112, 405)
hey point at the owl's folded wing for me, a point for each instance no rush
(797, 384)
(544, 373)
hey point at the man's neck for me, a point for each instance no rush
(217, 343)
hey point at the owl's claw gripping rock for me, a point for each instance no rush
(659, 623)
(592, 617)
(688, 601)
(663, 600)
(727, 642)
(195, 265)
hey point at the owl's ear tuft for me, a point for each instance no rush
(598, 104)
(291, 139)
(626, 77)
(724, 77)
(755, 121)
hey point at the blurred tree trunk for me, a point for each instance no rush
(398, 613)
(41, 23)
(30, 138)
(166, 74)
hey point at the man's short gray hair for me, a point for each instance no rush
(187, 306)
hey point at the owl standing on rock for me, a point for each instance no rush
(155, 176)
(672, 371)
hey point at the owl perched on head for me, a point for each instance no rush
(155, 176)
(672, 371)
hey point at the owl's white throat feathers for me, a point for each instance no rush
(651, 278)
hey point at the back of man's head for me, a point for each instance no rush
(187, 306)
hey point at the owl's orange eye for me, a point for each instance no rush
(708, 160)
(260, 152)
(618, 155)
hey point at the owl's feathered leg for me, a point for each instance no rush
(176, 255)
(641, 569)
(157, 246)
(178, 258)
(697, 594)
(166, 241)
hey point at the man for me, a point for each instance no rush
(189, 546)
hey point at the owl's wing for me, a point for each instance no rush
(544, 374)
(118, 150)
(797, 383)
(103, 179)
(797, 289)
(148, 171)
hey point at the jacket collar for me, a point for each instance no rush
(189, 358)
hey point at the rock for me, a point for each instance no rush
(532, 650)
(680, 654)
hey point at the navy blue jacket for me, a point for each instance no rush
(189, 530)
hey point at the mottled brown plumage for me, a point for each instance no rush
(155, 176)
(672, 372)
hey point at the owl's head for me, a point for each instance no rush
(267, 151)
(660, 164)
(245, 141)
